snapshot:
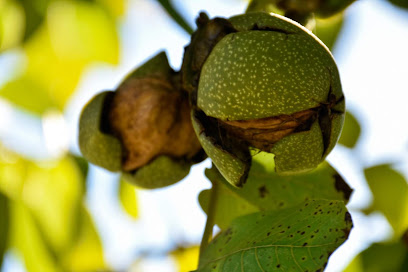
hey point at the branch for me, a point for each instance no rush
(176, 16)
(209, 225)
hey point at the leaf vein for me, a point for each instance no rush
(267, 246)
(310, 253)
(242, 261)
(257, 260)
(294, 259)
(277, 258)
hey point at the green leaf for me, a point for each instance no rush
(75, 34)
(12, 173)
(51, 191)
(11, 24)
(176, 16)
(87, 252)
(50, 227)
(4, 224)
(186, 258)
(300, 238)
(390, 196)
(115, 7)
(29, 242)
(35, 12)
(83, 167)
(127, 198)
(229, 204)
(81, 32)
(266, 190)
(351, 131)
(381, 257)
(28, 94)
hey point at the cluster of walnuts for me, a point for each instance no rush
(251, 83)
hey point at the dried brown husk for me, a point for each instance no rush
(151, 118)
(208, 34)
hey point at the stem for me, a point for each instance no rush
(209, 225)
(176, 16)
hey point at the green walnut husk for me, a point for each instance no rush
(272, 86)
(143, 129)
(97, 145)
(161, 172)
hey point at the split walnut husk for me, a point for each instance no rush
(151, 118)
(267, 84)
(148, 118)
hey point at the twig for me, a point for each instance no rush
(209, 225)
(176, 16)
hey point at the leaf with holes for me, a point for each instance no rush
(266, 190)
(300, 238)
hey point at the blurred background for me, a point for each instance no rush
(58, 213)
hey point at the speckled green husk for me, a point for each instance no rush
(257, 74)
(97, 147)
(303, 149)
(279, 70)
(156, 66)
(231, 167)
(162, 171)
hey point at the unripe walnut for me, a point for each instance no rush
(145, 126)
(271, 86)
